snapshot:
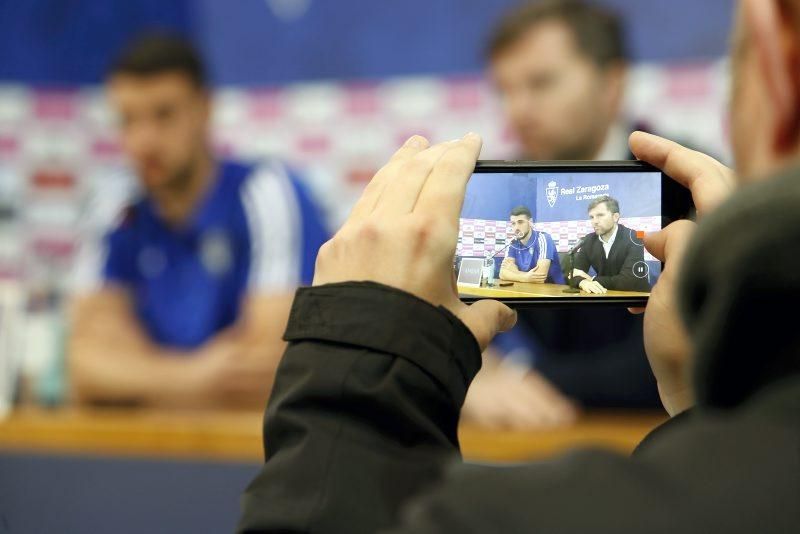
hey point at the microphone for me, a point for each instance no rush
(490, 255)
(571, 258)
(577, 246)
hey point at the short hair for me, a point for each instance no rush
(521, 210)
(158, 53)
(597, 30)
(610, 202)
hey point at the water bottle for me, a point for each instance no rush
(488, 271)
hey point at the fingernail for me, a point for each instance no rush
(416, 141)
(472, 136)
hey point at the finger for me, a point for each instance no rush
(487, 318)
(670, 241)
(636, 311)
(364, 206)
(544, 406)
(402, 190)
(547, 389)
(443, 192)
(516, 404)
(709, 181)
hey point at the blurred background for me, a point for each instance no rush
(331, 88)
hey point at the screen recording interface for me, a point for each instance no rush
(559, 234)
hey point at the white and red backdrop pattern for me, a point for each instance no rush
(479, 237)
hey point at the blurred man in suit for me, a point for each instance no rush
(182, 298)
(560, 67)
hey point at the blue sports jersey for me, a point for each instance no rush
(539, 247)
(256, 231)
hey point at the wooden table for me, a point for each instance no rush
(70, 471)
(237, 436)
(525, 289)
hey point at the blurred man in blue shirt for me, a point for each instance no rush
(532, 257)
(199, 269)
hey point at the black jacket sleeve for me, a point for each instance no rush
(625, 280)
(581, 262)
(360, 436)
(364, 411)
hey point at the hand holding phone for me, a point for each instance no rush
(401, 232)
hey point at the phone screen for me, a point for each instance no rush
(559, 233)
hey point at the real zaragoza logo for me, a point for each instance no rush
(552, 193)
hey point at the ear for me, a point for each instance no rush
(616, 217)
(788, 136)
(777, 55)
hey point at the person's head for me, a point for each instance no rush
(765, 96)
(521, 221)
(158, 88)
(559, 66)
(604, 214)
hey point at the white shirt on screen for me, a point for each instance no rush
(608, 244)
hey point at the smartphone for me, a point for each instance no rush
(564, 233)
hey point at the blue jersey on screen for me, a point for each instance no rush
(257, 231)
(539, 247)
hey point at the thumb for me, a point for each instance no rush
(654, 243)
(669, 244)
(487, 318)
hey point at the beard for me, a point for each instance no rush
(175, 182)
(180, 180)
(578, 146)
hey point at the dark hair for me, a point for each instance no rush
(611, 203)
(597, 30)
(521, 210)
(158, 53)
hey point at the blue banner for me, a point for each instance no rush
(267, 42)
(553, 197)
(566, 197)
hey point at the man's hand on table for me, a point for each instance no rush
(578, 273)
(225, 372)
(403, 232)
(535, 277)
(588, 284)
(591, 286)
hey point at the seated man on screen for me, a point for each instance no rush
(532, 257)
(610, 250)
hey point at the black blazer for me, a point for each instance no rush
(616, 271)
